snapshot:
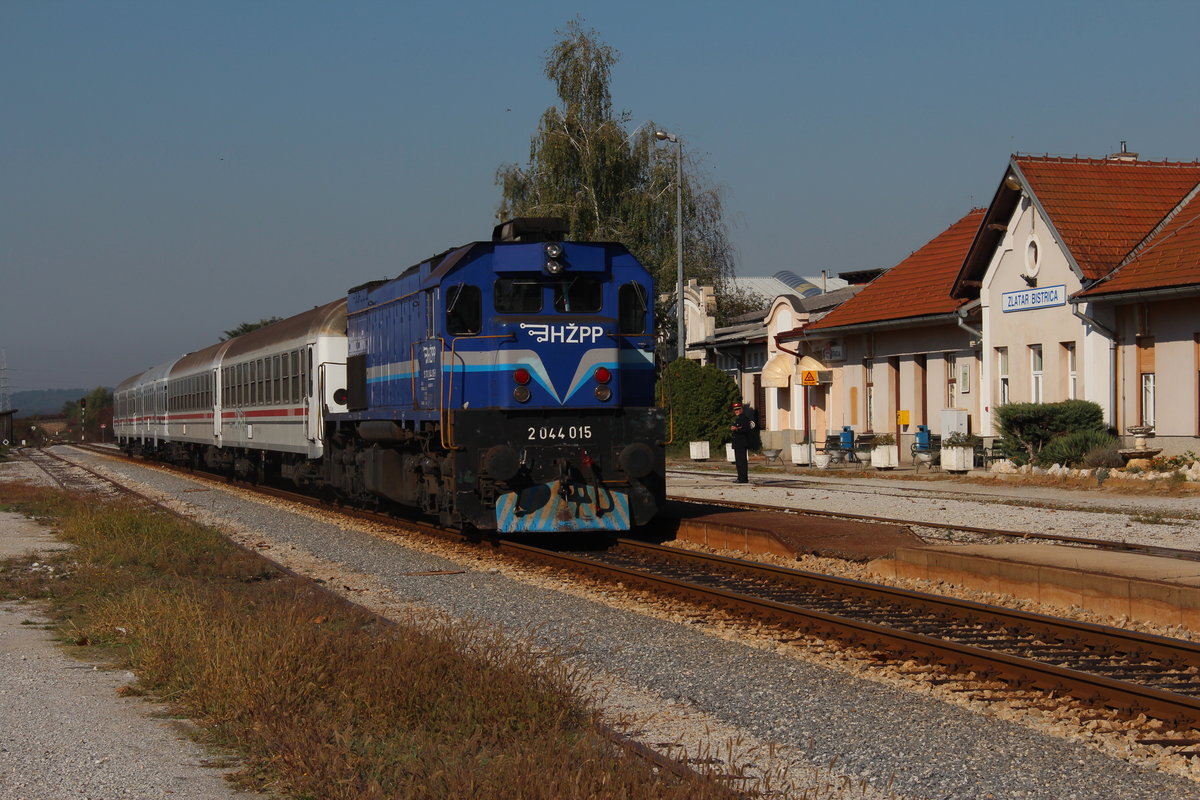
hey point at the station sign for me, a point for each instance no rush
(1029, 299)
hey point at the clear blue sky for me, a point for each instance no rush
(169, 170)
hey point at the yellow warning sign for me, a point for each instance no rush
(808, 377)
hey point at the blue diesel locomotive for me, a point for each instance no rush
(504, 385)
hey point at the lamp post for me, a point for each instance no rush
(670, 137)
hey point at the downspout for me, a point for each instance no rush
(961, 319)
(1112, 359)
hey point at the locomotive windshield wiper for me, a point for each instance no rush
(564, 297)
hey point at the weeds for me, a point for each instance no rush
(321, 698)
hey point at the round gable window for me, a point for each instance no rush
(1031, 258)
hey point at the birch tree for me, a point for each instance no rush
(613, 185)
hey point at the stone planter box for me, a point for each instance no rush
(802, 454)
(886, 456)
(958, 459)
(699, 451)
(729, 453)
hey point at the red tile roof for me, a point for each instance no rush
(1103, 208)
(1169, 259)
(918, 286)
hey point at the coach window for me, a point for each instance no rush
(296, 397)
(276, 381)
(631, 308)
(518, 296)
(464, 310)
(286, 377)
(581, 294)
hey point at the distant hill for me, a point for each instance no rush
(44, 401)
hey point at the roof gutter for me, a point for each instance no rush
(910, 322)
(1143, 295)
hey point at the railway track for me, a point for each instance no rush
(1130, 672)
(68, 475)
(1007, 653)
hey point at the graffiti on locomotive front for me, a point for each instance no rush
(552, 507)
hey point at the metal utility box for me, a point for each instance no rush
(955, 420)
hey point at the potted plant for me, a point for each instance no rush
(885, 453)
(958, 451)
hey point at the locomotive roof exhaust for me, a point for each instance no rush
(531, 229)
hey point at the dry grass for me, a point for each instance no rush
(320, 698)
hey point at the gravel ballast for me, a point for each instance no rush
(677, 678)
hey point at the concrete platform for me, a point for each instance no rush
(786, 535)
(1151, 589)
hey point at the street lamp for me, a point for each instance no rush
(663, 136)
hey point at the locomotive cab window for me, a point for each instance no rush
(518, 296)
(632, 305)
(581, 294)
(464, 310)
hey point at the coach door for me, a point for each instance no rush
(313, 394)
(214, 396)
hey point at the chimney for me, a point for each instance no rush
(1124, 155)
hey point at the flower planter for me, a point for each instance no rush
(802, 454)
(699, 451)
(885, 456)
(820, 460)
(958, 459)
(729, 453)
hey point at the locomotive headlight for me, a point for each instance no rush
(522, 377)
(603, 393)
(553, 251)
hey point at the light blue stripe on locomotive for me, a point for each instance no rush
(542, 509)
(483, 363)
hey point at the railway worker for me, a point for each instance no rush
(742, 428)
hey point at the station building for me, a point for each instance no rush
(1081, 279)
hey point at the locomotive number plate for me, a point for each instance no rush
(560, 432)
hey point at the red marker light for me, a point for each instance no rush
(521, 376)
(602, 375)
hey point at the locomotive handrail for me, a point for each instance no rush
(448, 395)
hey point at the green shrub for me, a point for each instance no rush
(1026, 428)
(1104, 456)
(699, 398)
(1073, 449)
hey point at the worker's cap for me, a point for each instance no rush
(737, 406)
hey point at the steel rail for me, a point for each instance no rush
(1020, 672)
(1127, 697)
